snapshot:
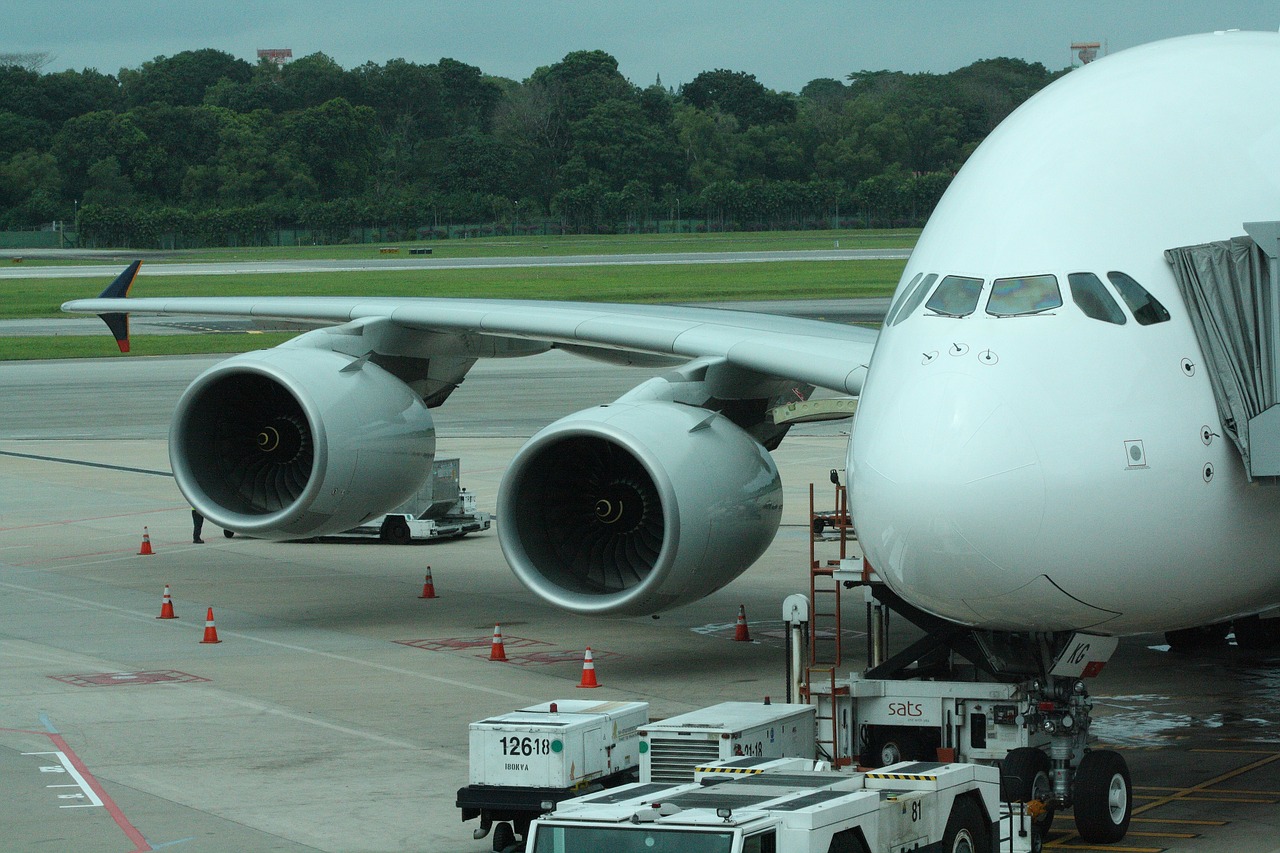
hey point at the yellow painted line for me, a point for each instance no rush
(1178, 821)
(1237, 751)
(1132, 834)
(1103, 848)
(1194, 799)
(1246, 791)
(1178, 796)
(1209, 783)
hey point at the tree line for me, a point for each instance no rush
(203, 148)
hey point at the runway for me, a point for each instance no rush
(333, 714)
(419, 262)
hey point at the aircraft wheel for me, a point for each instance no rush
(1103, 797)
(1258, 634)
(966, 831)
(228, 533)
(1189, 640)
(1024, 776)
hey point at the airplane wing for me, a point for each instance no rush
(827, 355)
(651, 501)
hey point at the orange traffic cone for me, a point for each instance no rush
(428, 587)
(146, 544)
(588, 671)
(740, 633)
(497, 651)
(166, 605)
(210, 632)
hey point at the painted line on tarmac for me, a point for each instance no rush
(300, 718)
(89, 783)
(150, 617)
(124, 468)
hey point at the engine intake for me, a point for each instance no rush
(292, 442)
(635, 508)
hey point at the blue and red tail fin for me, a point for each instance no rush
(118, 322)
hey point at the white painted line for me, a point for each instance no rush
(149, 617)
(67, 767)
(398, 744)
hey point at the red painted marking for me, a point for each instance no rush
(1093, 668)
(130, 831)
(459, 644)
(559, 656)
(115, 679)
(65, 521)
(117, 814)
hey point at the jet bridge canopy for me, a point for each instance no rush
(1232, 292)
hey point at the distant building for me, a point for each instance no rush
(1086, 51)
(278, 55)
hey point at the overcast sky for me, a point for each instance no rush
(785, 44)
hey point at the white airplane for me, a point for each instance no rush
(1038, 449)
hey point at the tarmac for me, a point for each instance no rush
(333, 713)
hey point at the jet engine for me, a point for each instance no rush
(295, 441)
(634, 508)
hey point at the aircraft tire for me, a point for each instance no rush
(1025, 776)
(1188, 640)
(1103, 797)
(1257, 634)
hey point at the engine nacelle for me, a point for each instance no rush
(634, 508)
(294, 442)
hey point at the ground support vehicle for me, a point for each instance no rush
(670, 750)
(750, 805)
(525, 760)
(1017, 699)
(440, 509)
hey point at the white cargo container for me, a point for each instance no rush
(547, 753)
(557, 744)
(672, 748)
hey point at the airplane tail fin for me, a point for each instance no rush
(118, 322)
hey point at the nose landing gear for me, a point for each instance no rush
(1094, 783)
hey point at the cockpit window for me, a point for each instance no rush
(957, 296)
(1032, 294)
(912, 302)
(903, 297)
(1092, 297)
(1145, 307)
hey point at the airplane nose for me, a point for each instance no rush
(948, 492)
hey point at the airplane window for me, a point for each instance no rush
(957, 296)
(1145, 307)
(1092, 297)
(913, 302)
(906, 294)
(1032, 294)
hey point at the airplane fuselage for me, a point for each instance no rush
(1024, 456)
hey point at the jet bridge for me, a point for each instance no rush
(1232, 292)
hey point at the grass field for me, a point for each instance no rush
(40, 298)
(104, 346)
